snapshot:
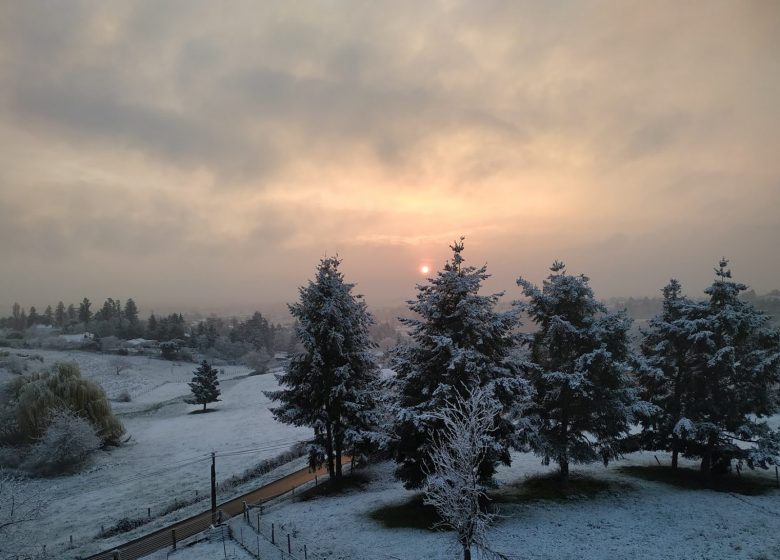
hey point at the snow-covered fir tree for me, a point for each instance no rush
(734, 362)
(331, 386)
(584, 399)
(460, 342)
(204, 385)
(664, 372)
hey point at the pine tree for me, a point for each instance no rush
(459, 343)
(72, 314)
(204, 385)
(664, 373)
(734, 362)
(33, 318)
(330, 386)
(48, 315)
(59, 315)
(84, 312)
(131, 312)
(584, 401)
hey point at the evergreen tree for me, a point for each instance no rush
(584, 402)
(48, 316)
(735, 367)
(151, 327)
(330, 386)
(664, 373)
(72, 314)
(131, 312)
(59, 315)
(84, 313)
(459, 344)
(204, 385)
(33, 318)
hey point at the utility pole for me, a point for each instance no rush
(213, 488)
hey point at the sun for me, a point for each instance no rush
(425, 269)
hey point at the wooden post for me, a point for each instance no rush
(246, 512)
(115, 555)
(71, 540)
(305, 555)
(173, 536)
(272, 534)
(258, 546)
(289, 545)
(777, 477)
(149, 512)
(258, 522)
(242, 536)
(213, 488)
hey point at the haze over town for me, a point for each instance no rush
(182, 153)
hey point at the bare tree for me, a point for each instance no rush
(119, 365)
(20, 507)
(452, 483)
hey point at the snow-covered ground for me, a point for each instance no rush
(167, 458)
(167, 455)
(635, 519)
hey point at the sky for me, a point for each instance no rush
(208, 154)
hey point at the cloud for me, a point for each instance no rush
(195, 132)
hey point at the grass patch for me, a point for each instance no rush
(412, 514)
(548, 487)
(353, 481)
(691, 479)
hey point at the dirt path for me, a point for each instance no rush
(165, 537)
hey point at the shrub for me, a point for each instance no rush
(68, 442)
(169, 350)
(38, 395)
(124, 396)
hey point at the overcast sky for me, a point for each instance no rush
(209, 153)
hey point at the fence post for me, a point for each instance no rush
(289, 546)
(305, 555)
(258, 522)
(246, 517)
(272, 534)
(258, 545)
(149, 512)
(242, 536)
(777, 477)
(173, 536)
(115, 555)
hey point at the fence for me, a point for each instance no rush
(266, 540)
(169, 537)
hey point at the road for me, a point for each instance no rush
(163, 538)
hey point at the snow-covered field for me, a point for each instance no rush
(167, 458)
(167, 455)
(635, 519)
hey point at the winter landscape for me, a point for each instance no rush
(389, 281)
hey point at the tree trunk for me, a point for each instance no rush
(675, 453)
(466, 552)
(337, 441)
(204, 407)
(563, 463)
(329, 449)
(706, 459)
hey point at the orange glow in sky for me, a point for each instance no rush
(425, 269)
